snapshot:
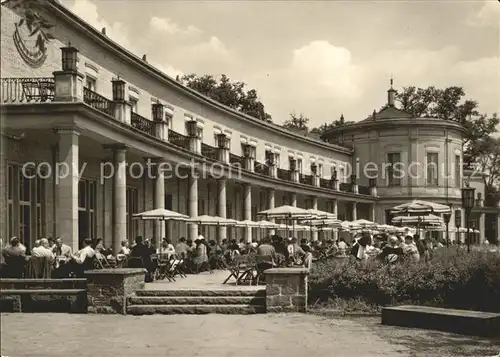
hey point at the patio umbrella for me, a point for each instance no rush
(316, 213)
(364, 223)
(285, 212)
(267, 224)
(212, 221)
(247, 223)
(161, 214)
(420, 207)
(427, 220)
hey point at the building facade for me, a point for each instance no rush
(92, 134)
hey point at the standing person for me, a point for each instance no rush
(142, 252)
(410, 249)
(201, 257)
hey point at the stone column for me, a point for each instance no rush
(120, 197)
(3, 190)
(270, 204)
(294, 199)
(193, 204)
(159, 199)
(372, 212)
(67, 195)
(335, 209)
(222, 183)
(482, 227)
(248, 210)
(314, 234)
(354, 211)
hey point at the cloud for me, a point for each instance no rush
(488, 15)
(168, 26)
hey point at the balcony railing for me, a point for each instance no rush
(237, 160)
(260, 168)
(325, 183)
(143, 124)
(97, 101)
(364, 190)
(306, 179)
(284, 175)
(177, 139)
(28, 90)
(345, 187)
(209, 151)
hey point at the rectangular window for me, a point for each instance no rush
(229, 210)
(299, 165)
(432, 169)
(87, 197)
(269, 156)
(320, 170)
(168, 202)
(277, 159)
(262, 201)
(458, 169)
(254, 213)
(133, 104)
(393, 177)
(201, 206)
(90, 83)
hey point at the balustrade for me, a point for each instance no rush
(237, 160)
(28, 90)
(178, 139)
(97, 101)
(143, 124)
(208, 151)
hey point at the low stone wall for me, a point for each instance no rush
(107, 289)
(286, 289)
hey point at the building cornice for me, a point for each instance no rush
(134, 60)
(397, 123)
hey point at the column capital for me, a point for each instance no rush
(67, 131)
(115, 147)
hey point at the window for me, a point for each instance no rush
(432, 169)
(320, 170)
(458, 169)
(25, 205)
(254, 213)
(201, 206)
(87, 195)
(132, 208)
(262, 200)
(269, 157)
(169, 119)
(133, 104)
(90, 83)
(285, 200)
(393, 178)
(299, 166)
(168, 202)
(229, 210)
(277, 159)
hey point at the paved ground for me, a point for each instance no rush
(202, 281)
(63, 335)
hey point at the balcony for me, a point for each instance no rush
(97, 101)
(325, 183)
(260, 168)
(284, 175)
(345, 187)
(177, 139)
(237, 160)
(306, 180)
(142, 124)
(209, 151)
(364, 190)
(28, 90)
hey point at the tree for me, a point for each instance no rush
(449, 104)
(231, 94)
(323, 128)
(489, 162)
(298, 122)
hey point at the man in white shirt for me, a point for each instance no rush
(86, 252)
(167, 248)
(42, 250)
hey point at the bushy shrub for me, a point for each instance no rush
(453, 278)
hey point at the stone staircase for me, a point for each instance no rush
(169, 302)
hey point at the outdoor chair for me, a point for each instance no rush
(39, 268)
(262, 263)
(239, 269)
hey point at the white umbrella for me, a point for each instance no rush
(429, 219)
(364, 223)
(161, 214)
(246, 223)
(267, 224)
(316, 213)
(285, 212)
(212, 221)
(420, 207)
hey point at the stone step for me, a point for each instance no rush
(195, 309)
(206, 293)
(197, 300)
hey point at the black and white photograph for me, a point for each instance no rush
(248, 178)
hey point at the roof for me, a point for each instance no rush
(389, 112)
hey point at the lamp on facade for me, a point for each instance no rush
(334, 175)
(192, 128)
(353, 179)
(157, 111)
(69, 58)
(118, 90)
(468, 198)
(293, 164)
(249, 151)
(372, 182)
(446, 218)
(222, 141)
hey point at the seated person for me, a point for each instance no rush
(308, 258)
(62, 249)
(142, 253)
(265, 249)
(84, 258)
(167, 248)
(14, 258)
(181, 249)
(43, 250)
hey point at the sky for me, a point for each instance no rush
(318, 58)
